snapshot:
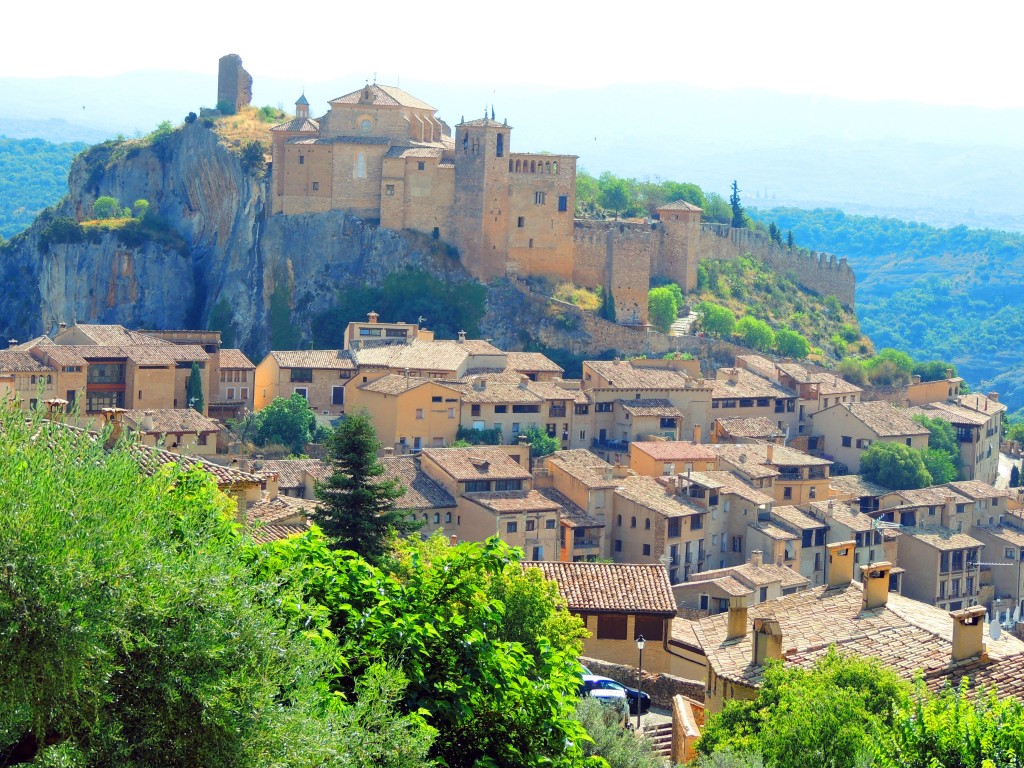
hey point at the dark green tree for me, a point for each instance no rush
(791, 344)
(194, 389)
(1014, 477)
(789, 239)
(106, 207)
(357, 505)
(541, 443)
(774, 233)
(755, 333)
(662, 308)
(715, 320)
(739, 217)
(616, 194)
(895, 466)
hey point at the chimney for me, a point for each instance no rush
(453, 540)
(767, 641)
(696, 433)
(769, 453)
(734, 376)
(916, 379)
(737, 627)
(462, 337)
(840, 563)
(875, 578)
(994, 397)
(757, 558)
(62, 326)
(55, 409)
(949, 373)
(389, 452)
(115, 418)
(949, 511)
(617, 360)
(523, 381)
(407, 373)
(968, 633)
(371, 317)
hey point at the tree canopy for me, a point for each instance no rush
(662, 308)
(791, 344)
(895, 466)
(541, 443)
(754, 333)
(194, 389)
(715, 320)
(290, 423)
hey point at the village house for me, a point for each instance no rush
(618, 603)
(848, 429)
(791, 476)
(234, 391)
(977, 432)
(730, 650)
(755, 429)
(738, 393)
(670, 457)
(179, 430)
(794, 538)
(409, 413)
(708, 593)
(318, 375)
(925, 392)
(847, 521)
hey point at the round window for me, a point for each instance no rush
(365, 125)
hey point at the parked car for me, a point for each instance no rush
(586, 670)
(612, 697)
(596, 682)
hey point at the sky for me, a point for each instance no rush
(901, 50)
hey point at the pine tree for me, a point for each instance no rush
(739, 218)
(789, 239)
(194, 389)
(1014, 477)
(357, 507)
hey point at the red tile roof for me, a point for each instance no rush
(611, 587)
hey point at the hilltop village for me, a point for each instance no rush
(676, 506)
(714, 517)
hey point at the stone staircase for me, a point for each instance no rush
(682, 325)
(660, 736)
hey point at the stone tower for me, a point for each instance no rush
(302, 107)
(676, 256)
(482, 196)
(234, 84)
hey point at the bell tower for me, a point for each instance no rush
(482, 195)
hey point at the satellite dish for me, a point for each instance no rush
(994, 630)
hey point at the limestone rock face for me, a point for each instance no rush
(233, 257)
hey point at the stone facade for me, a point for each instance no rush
(383, 155)
(234, 84)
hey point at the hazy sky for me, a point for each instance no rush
(936, 52)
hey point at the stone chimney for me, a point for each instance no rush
(949, 511)
(840, 563)
(757, 558)
(372, 317)
(949, 373)
(767, 641)
(968, 633)
(696, 433)
(524, 381)
(272, 484)
(993, 396)
(147, 421)
(462, 337)
(737, 626)
(769, 454)
(875, 578)
(115, 418)
(734, 376)
(389, 452)
(916, 379)
(453, 540)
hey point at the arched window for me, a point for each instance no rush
(360, 165)
(618, 520)
(49, 379)
(547, 167)
(554, 167)
(632, 522)
(501, 145)
(533, 166)
(647, 524)
(465, 143)
(510, 166)
(437, 517)
(519, 166)
(32, 380)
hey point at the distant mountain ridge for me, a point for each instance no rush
(942, 165)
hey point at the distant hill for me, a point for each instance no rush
(952, 294)
(942, 165)
(33, 175)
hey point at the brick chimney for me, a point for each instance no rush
(840, 563)
(767, 641)
(115, 418)
(968, 633)
(875, 578)
(993, 396)
(737, 627)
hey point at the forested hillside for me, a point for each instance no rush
(949, 294)
(33, 175)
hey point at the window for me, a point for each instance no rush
(737, 543)
(500, 148)
(421, 166)
(316, 186)
(647, 549)
(611, 626)
(1009, 553)
(696, 522)
(437, 518)
(813, 492)
(647, 524)
(302, 160)
(474, 410)
(909, 442)
(563, 203)
(583, 434)
(360, 166)
(231, 393)
(531, 525)
(515, 427)
(604, 407)
(632, 522)
(618, 545)
(302, 392)
(539, 197)
(302, 374)
(337, 395)
(527, 408)
(581, 409)
(511, 527)
(508, 485)
(847, 441)
(451, 413)
(389, 190)
(501, 409)
(521, 222)
(787, 492)
(944, 562)
(764, 594)
(478, 486)
(549, 524)
(419, 413)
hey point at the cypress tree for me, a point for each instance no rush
(194, 389)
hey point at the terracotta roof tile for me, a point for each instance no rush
(728, 483)
(533, 361)
(622, 375)
(753, 576)
(504, 502)
(757, 427)
(298, 125)
(421, 491)
(588, 468)
(747, 385)
(264, 534)
(323, 359)
(611, 587)
(476, 463)
(881, 417)
(975, 489)
(171, 421)
(855, 486)
(272, 511)
(652, 407)
(383, 95)
(794, 518)
(235, 358)
(12, 361)
(290, 472)
(943, 539)
(742, 456)
(773, 531)
(650, 494)
(980, 403)
(674, 450)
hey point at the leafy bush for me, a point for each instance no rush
(290, 422)
(895, 466)
(478, 436)
(662, 308)
(755, 333)
(225, 107)
(791, 344)
(541, 444)
(715, 320)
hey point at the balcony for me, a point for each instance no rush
(588, 542)
(619, 446)
(557, 411)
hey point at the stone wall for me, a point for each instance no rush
(662, 688)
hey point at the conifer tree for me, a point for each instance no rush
(739, 218)
(789, 239)
(1014, 477)
(357, 506)
(194, 389)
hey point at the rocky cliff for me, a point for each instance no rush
(231, 263)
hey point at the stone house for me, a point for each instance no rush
(410, 413)
(235, 389)
(978, 432)
(738, 393)
(618, 602)
(746, 430)
(848, 429)
(670, 457)
(318, 375)
(710, 592)
(179, 430)
(791, 476)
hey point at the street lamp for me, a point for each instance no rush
(639, 678)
